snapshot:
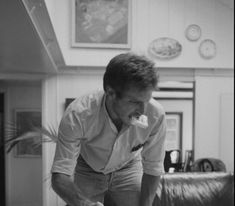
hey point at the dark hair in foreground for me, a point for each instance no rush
(128, 69)
(196, 189)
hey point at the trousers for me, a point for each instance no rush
(118, 188)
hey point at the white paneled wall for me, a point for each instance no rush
(208, 128)
(49, 118)
(23, 174)
(153, 19)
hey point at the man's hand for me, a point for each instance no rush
(89, 203)
(97, 204)
(68, 191)
(148, 189)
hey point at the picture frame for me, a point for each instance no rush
(25, 120)
(173, 161)
(101, 23)
(174, 131)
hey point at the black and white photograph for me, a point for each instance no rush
(117, 103)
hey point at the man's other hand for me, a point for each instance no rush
(97, 204)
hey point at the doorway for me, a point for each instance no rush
(2, 153)
(177, 99)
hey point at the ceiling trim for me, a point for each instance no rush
(40, 18)
(22, 76)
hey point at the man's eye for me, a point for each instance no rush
(135, 103)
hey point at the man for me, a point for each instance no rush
(103, 145)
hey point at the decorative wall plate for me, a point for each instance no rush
(207, 49)
(165, 48)
(193, 32)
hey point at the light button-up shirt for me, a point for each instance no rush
(87, 129)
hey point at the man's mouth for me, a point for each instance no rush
(135, 115)
(140, 121)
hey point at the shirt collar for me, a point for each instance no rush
(113, 127)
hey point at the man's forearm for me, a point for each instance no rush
(148, 189)
(67, 190)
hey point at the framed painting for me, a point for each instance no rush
(26, 120)
(101, 23)
(174, 131)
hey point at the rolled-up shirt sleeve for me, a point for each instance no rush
(153, 152)
(68, 145)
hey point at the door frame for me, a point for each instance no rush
(2, 150)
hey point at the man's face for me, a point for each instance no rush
(132, 103)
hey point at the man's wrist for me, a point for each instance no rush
(146, 202)
(86, 202)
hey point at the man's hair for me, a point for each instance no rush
(129, 69)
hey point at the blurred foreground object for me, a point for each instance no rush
(196, 189)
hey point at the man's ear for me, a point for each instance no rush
(110, 92)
